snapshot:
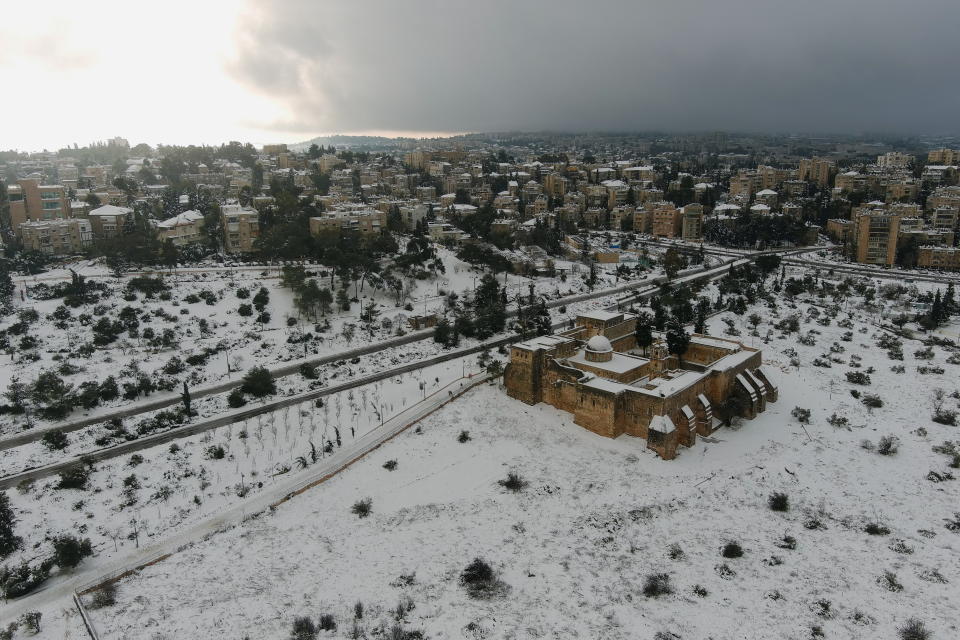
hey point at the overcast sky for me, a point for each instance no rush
(209, 71)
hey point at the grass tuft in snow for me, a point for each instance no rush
(778, 501)
(513, 482)
(362, 508)
(914, 630)
(656, 585)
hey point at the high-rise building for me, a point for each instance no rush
(818, 170)
(876, 237)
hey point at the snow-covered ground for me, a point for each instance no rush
(575, 547)
(178, 484)
(236, 342)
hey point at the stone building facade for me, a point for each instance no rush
(595, 372)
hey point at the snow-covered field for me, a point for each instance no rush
(201, 310)
(575, 547)
(178, 484)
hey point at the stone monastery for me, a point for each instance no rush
(596, 372)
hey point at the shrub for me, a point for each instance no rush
(478, 578)
(245, 310)
(75, 477)
(876, 529)
(732, 550)
(675, 551)
(787, 542)
(914, 630)
(778, 501)
(700, 591)
(135, 460)
(656, 585)
(888, 445)
(55, 440)
(945, 416)
(258, 382)
(105, 596)
(358, 610)
(390, 465)
(801, 414)
(463, 437)
(872, 401)
(215, 452)
(308, 371)
(243, 293)
(362, 508)
(303, 628)
(327, 623)
(236, 399)
(858, 377)
(838, 421)
(514, 482)
(69, 551)
(889, 582)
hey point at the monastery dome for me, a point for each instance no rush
(599, 344)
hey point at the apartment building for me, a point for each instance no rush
(945, 218)
(30, 200)
(876, 236)
(108, 221)
(56, 237)
(667, 221)
(183, 229)
(692, 223)
(944, 156)
(241, 228)
(366, 221)
(943, 258)
(894, 160)
(817, 170)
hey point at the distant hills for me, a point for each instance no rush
(354, 142)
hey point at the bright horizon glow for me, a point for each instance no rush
(159, 76)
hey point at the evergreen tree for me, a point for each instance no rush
(700, 325)
(949, 302)
(490, 306)
(343, 300)
(258, 382)
(644, 331)
(542, 320)
(441, 331)
(677, 338)
(8, 541)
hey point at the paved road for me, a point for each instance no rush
(92, 573)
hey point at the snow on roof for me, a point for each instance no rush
(687, 411)
(614, 184)
(183, 219)
(619, 363)
(603, 384)
(110, 210)
(667, 386)
(543, 342)
(599, 344)
(662, 424)
(766, 192)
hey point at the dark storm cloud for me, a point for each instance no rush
(819, 65)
